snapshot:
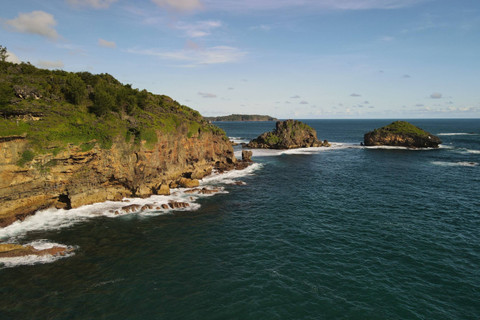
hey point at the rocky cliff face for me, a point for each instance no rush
(288, 134)
(73, 178)
(403, 134)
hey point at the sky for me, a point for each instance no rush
(303, 59)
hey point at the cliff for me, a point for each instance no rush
(288, 134)
(403, 134)
(70, 139)
(242, 117)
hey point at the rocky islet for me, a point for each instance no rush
(288, 134)
(401, 134)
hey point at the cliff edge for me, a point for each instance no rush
(71, 139)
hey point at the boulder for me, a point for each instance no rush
(288, 134)
(401, 134)
(8, 250)
(247, 155)
(132, 208)
(163, 190)
(178, 204)
(188, 183)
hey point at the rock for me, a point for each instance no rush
(240, 165)
(132, 208)
(165, 206)
(202, 191)
(164, 190)
(401, 134)
(146, 207)
(238, 183)
(177, 204)
(188, 183)
(247, 155)
(8, 250)
(287, 134)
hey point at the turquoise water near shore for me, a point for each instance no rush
(340, 233)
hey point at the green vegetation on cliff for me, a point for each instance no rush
(55, 108)
(242, 117)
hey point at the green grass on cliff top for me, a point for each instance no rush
(56, 108)
(403, 127)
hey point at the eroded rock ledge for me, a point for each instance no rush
(288, 134)
(401, 134)
(73, 178)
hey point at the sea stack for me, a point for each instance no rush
(401, 134)
(288, 134)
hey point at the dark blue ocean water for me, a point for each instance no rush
(344, 233)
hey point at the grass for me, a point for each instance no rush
(69, 113)
(26, 157)
(403, 127)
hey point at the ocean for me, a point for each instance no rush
(345, 232)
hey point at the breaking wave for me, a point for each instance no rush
(54, 219)
(458, 134)
(455, 164)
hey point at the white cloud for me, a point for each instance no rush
(50, 64)
(106, 44)
(303, 102)
(212, 55)
(355, 95)
(179, 5)
(207, 95)
(97, 4)
(295, 97)
(35, 22)
(11, 57)
(436, 95)
(199, 29)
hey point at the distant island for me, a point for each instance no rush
(242, 117)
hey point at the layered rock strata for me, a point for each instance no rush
(73, 178)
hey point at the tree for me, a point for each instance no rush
(75, 89)
(3, 53)
(103, 101)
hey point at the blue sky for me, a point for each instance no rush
(286, 58)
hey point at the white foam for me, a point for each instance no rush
(455, 164)
(238, 140)
(230, 176)
(311, 150)
(457, 134)
(399, 148)
(471, 151)
(36, 259)
(54, 219)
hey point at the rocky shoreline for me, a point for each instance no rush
(74, 178)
